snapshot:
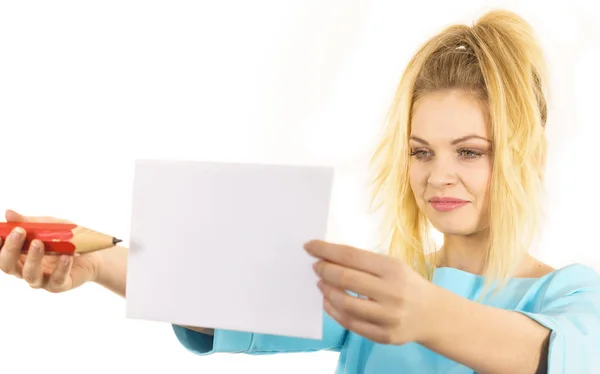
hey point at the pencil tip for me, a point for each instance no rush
(116, 241)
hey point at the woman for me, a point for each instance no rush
(463, 151)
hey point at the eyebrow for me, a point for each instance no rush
(455, 141)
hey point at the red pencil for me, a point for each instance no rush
(60, 238)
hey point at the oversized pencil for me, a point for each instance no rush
(60, 238)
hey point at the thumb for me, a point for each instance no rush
(12, 216)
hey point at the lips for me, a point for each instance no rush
(437, 199)
(447, 204)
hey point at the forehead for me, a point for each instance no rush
(448, 115)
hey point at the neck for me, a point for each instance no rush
(467, 253)
(464, 252)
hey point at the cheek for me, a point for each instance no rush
(477, 181)
(417, 177)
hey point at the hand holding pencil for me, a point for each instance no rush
(49, 252)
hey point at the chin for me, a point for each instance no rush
(464, 221)
(452, 231)
(454, 226)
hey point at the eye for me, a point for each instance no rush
(420, 154)
(469, 153)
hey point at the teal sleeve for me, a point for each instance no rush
(570, 307)
(228, 341)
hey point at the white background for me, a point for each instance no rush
(86, 87)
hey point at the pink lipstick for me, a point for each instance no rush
(446, 204)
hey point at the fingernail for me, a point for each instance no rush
(64, 260)
(18, 232)
(35, 246)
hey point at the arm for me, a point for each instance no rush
(484, 338)
(229, 341)
(111, 269)
(555, 329)
(202, 330)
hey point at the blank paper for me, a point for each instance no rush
(220, 245)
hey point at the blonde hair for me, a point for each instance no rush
(499, 60)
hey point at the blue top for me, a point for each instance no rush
(567, 301)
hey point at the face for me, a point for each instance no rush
(451, 162)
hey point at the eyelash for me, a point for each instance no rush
(475, 153)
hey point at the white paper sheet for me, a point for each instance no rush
(220, 245)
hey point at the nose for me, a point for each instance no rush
(442, 172)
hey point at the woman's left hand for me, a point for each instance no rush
(397, 302)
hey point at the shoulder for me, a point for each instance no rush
(567, 302)
(571, 284)
(574, 274)
(539, 269)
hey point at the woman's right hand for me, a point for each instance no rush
(53, 273)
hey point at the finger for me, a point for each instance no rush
(352, 280)
(11, 250)
(13, 216)
(347, 256)
(361, 327)
(356, 307)
(32, 269)
(59, 277)
(18, 270)
(1, 243)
